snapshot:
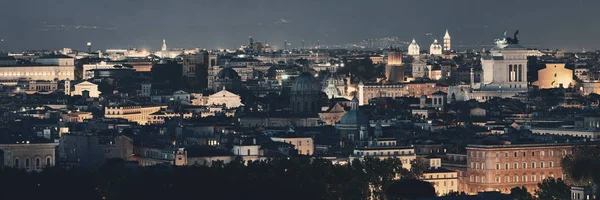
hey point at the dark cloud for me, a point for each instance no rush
(228, 23)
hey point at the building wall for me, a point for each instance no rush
(278, 121)
(47, 73)
(43, 85)
(502, 167)
(304, 145)
(209, 160)
(86, 86)
(443, 182)
(246, 150)
(136, 114)
(591, 87)
(31, 157)
(553, 76)
(366, 92)
(405, 155)
(89, 151)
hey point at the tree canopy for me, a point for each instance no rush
(278, 178)
(553, 189)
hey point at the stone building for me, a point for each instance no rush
(85, 89)
(136, 114)
(28, 156)
(502, 167)
(304, 145)
(411, 89)
(443, 180)
(553, 76)
(93, 150)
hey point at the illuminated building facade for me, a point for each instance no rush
(136, 114)
(553, 76)
(503, 167)
(28, 156)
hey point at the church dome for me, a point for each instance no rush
(305, 84)
(435, 48)
(354, 116)
(228, 73)
(413, 48)
(336, 78)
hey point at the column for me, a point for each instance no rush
(520, 73)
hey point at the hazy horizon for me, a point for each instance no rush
(38, 24)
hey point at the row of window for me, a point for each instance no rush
(438, 176)
(514, 154)
(361, 153)
(476, 165)
(507, 179)
(37, 164)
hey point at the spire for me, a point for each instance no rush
(164, 45)
(447, 34)
(414, 41)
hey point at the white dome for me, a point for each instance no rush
(413, 48)
(435, 48)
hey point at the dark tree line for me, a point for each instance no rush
(281, 178)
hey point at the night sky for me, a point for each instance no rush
(45, 24)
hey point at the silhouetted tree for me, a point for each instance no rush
(553, 189)
(520, 193)
(409, 189)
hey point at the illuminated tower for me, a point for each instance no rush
(394, 70)
(164, 45)
(447, 41)
(394, 57)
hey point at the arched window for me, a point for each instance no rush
(26, 162)
(38, 163)
(551, 164)
(48, 161)
(524, 165)
(541, 164)
(17, 163)
(532, 165)
(516, 166)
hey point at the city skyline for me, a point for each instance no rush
(133, 24)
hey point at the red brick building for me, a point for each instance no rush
(502, 167)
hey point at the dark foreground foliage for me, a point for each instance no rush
(296, 178)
